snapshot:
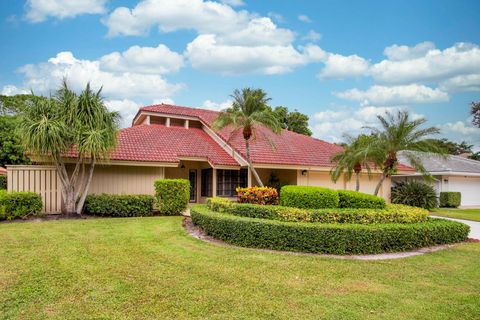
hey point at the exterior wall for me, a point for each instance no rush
(116, 179)
(39, 179)
(322, 179)
(285, 176)
(182, 173)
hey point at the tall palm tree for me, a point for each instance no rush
(249, 108)
(399, 133)
(74, 124)
(359, 153)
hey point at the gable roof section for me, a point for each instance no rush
(157, 143)
(447, 165)
(286, 148)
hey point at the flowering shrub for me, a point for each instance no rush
(257, 195)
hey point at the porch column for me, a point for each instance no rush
(214, 182)
(186, 124)
(167, 122)
(147, 120)
(249, 177)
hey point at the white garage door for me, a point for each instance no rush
(469, 187)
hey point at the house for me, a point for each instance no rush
(167, 141)
(453, 173)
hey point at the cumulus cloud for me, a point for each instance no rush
(312, 36)
(333, 124)
(340, 67)
(233, 3)
(395, 95)
(424, 63)
(127, 109)
(11, 90)
(46, 76)
(40, 10)
(159, 60)
(304, 18)
(216, 106)
(469, 82)
(461, 131)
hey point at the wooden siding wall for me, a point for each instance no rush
(39, 179)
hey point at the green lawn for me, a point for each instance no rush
(149, 268)
(467, 214)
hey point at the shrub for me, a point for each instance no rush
(450, 199)
(353, 199)
(414, 193)
(393, 213)
(113, 205)
(327, 238)
(19, 204)
(308, 197)
(257, 195)
(3, 182)
(172, 195)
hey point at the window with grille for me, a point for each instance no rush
(229, 180)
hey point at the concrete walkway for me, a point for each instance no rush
(474, 226)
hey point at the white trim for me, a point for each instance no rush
(165, 115)
(224, 145)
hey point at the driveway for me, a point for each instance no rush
(474, 226)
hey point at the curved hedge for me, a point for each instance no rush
(327, 238)
(393, 213)
(307, 197)
(354, 199)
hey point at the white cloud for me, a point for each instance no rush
(45, 77)
(11, 90)
(206, 53)
(469, 82)
(304, 18)
(216, 106)
(233, 3)
(312, 36)
(462, 131)
(424, 63)
(159, 60)
(332, 125)
(127, 109)
(40, 10)
(406, 94)
(340, 67)
(276, 17)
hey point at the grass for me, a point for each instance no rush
(467, 214)
(149, 268)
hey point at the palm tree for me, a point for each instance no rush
(357, 154)
(399, 133)
(249, 108)
(79, 125)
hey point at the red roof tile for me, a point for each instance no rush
(286, 148)
(158, 143)
(3, 171)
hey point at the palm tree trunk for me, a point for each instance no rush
(357, 182)
(255, 174)
(83, 196)
(382, 178)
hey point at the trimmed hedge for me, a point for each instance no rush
(113, 205)
(450, 199)
(19, 204)
(257, 195)
(306, 197)
(327, 238)
(392, 213)
(172, 195)
(3, 182)
(354, 199)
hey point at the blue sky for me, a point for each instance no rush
(340, 62)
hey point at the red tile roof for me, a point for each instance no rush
(286, 148)
(3, 171)
(158, 143)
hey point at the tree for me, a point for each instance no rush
(475, 112)
(11, 150)
(293, 121)
(249, 109)
(475, 156)
(399, 133)
(77, 125)
(11, 105)
(357, 154)
(452, 147)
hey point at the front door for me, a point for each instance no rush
(192, 176)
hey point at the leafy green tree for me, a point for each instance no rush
(399, 133)
(249, 109)
(452, 147)
(294, 121)
(475, 112)
(475, 156)
(79, 125)
(11, 105)
(11, 150)
(358, 154)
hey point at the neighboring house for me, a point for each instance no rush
(167, 141)
(453, 173)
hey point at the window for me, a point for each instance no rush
(207, 182)
(229, 180)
